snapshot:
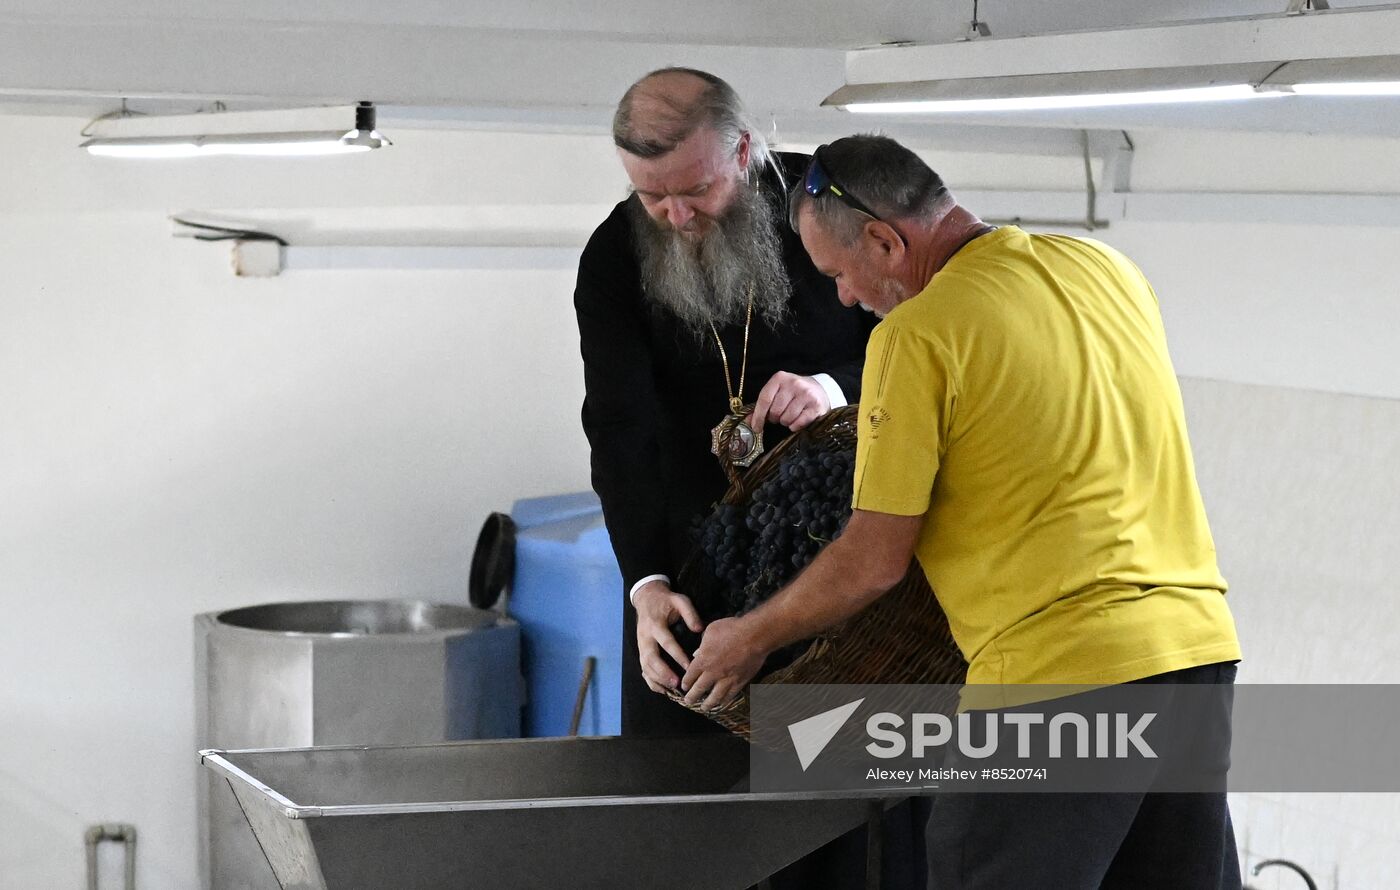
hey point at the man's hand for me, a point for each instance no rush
(728, 658)
(850, 573)
(791, 400)
(658, 606)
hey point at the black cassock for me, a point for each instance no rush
(654, 390)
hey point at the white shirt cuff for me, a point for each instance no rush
(833, 391)
(631, 594)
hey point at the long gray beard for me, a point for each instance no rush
(708, 283)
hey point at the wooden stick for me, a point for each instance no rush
(589, 664)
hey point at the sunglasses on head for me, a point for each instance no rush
(819, 181)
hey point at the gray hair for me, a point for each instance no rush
(880, 173)
(740, 258)
(717, 106)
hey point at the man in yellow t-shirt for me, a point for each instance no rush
(1022, 434)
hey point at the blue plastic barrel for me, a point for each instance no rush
(567, 597)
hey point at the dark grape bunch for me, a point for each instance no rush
(754, 549)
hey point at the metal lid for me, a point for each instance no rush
(493, 561)
(358, 617)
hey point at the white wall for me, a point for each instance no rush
(176, 440)
(1305, 509)
(1283, 336)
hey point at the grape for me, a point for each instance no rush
(753, 549)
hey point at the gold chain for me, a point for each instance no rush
(736, 400)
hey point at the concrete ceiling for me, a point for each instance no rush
(810, 24)
(555, 64)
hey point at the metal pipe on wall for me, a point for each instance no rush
(111, 831)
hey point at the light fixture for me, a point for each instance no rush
(283, 133)
(1180, 95)
(1355, 88)
(1343, 52)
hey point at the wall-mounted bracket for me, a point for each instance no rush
(1113, 150)
(1298, 7)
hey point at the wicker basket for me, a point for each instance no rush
(901, 638)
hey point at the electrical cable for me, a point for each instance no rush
(227, 233)
(120, 112)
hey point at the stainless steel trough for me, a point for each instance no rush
(531, 813)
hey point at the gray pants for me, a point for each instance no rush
(1066, 841)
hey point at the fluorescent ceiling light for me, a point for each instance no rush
(1355, 88)
(116, 148)
(1323, 53)
(1223, 93)
(254, 145)
(287, 133)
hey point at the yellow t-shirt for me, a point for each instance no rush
(1024, 402)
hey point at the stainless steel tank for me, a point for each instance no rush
(366, 672)
(528, 814)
